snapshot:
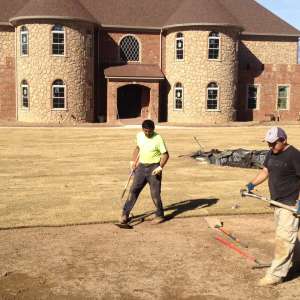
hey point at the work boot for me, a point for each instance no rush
(270, 280)
(124, 219)
(157, 220)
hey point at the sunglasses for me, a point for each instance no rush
(272, 145)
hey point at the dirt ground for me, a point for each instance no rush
(179, 259)
(60, 195)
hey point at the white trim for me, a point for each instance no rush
(287, 99)
(136, 78)
(218, 97)
(52, 43)
(22, 96)
(140, 48)
(174, 97)
(21, 42)
(258, 86)
(219, 49)
(65, 96)
(183, 48)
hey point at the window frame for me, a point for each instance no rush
(24, 84)
(181, 38)
(52, 40)
(53, 86)
(218, 97)
(139, 50)
(257, 96)
(288, 86)
(219, 44)
(22, 33)
(178, 88)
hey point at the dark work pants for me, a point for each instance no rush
(142, 176)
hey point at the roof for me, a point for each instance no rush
(134, 71)
(153, 14)
(53, 9)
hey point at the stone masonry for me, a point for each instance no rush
(196, 72)
(40, 69)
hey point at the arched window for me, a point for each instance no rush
(178, 96)
(58, 94)
(179, 46)
(24, 41)
(212, 96)
(129, 49)
(214, 45)
(58, 40)
(24, 94)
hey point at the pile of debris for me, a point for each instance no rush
(240, 158)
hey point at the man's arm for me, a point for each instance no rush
(258, 179)
(135, 158)
(164, 158)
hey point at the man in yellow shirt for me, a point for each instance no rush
(148, 160)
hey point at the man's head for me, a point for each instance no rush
(276, 139)
(148, 128)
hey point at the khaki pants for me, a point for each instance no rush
(287, 245)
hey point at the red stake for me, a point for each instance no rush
(238, 250)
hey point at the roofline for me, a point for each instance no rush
(133, 77)
(202, 24)
(272, 34)
(14, 20)
(106, 26)
(5, 24)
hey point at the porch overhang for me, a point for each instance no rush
(134, 72)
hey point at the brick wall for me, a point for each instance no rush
(149, 47)
(7, 74)
(268, 80)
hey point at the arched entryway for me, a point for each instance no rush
(133, 101)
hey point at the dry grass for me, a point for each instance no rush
(53, 176)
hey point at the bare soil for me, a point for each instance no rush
(178, 259)
(60, 196)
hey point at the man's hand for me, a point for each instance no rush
(157, 171)
(250, 187)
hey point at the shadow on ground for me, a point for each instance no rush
(180, 207)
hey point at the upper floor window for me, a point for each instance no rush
(214, 45)
(129, 49)
(178, 96)
(24, 41)
(212, 102)
(24, 94)
(58, 40)
(283, 97)
(58, 94)
(179, 46)
(252, 96)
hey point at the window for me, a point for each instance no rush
(212, 96)
(178, 96)
(282, 99)
(179, 46)
(252, 97)
(24, 94)
(58, 40)
(24, 41)
(213, 45)
(129, 49)
(58, 94)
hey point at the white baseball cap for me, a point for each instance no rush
(274, 134)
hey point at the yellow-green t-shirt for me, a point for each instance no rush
(150, 148)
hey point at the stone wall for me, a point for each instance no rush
(196, 72)
(268, 80)
(40, 69)
(7, 73)
(254, 51)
